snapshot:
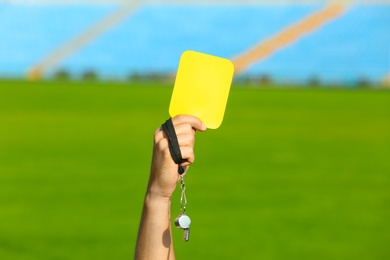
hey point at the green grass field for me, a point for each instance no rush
(290, 174)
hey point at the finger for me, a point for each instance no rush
(159, 135)
(186, 140)
(194, 122)
(184, 128)
(181, 126)
(184, 133)
(187, 153)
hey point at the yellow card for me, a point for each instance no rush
(202, 87)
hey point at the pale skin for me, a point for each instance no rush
(155, 234)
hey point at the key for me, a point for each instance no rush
(183, 221)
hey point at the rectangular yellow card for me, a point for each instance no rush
(202, 87)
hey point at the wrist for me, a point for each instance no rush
(160, 190)
(154, 198)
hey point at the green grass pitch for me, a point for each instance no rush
(290, 174)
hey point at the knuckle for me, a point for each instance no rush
(162, 144)
(186, 140)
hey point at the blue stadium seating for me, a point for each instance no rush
(29, 32)
(355, 46)
(152, 38)
(155, 36)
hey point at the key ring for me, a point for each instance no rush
(183, 221)
(183, 198)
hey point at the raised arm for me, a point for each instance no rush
(155, 235)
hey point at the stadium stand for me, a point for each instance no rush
(30, 31)
(151, 38)
(355, 46)
(155, 36)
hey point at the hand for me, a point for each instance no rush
(164, 175)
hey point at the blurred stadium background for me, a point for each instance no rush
(84, 84)
(337, 42)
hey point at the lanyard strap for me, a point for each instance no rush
(173, 144)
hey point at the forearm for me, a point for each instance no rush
(155, 237)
